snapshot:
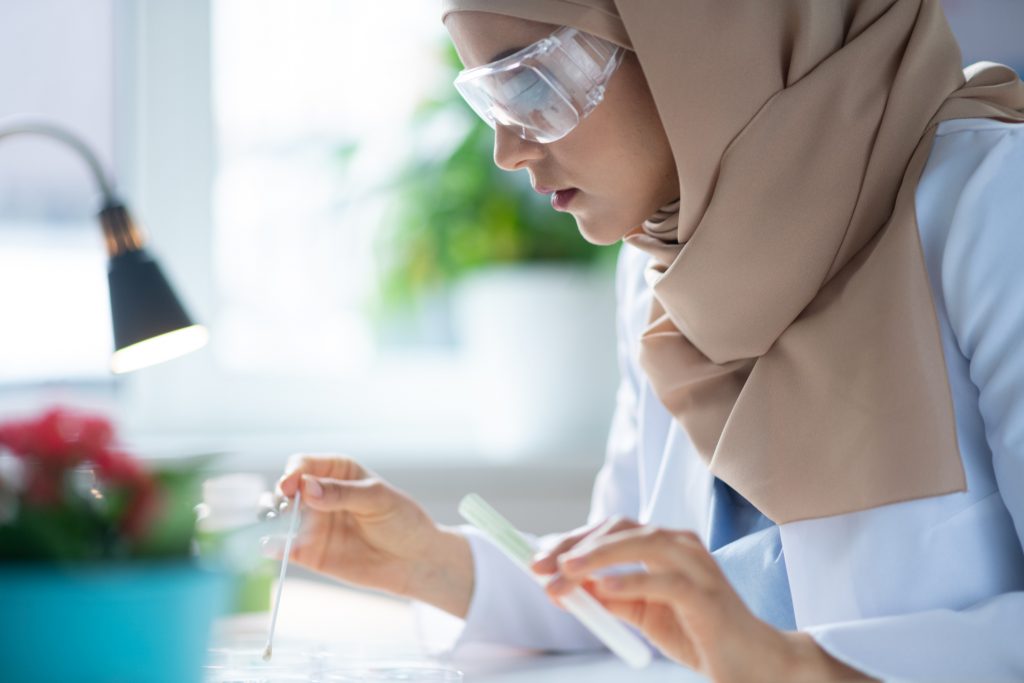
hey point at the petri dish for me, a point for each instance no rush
(393, 674)
(240, 660)
(247, 658)
(244, 664)
(370, 674)
(243, 676)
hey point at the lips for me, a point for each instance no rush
(561, 199)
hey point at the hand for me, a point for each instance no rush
(684, 604)
(358, 528)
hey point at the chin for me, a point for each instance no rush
(600, 235)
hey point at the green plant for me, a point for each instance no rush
(454, 211)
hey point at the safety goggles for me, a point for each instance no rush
(545, 90)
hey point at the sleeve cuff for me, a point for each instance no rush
(978, 644)
(507, 607)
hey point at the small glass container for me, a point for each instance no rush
(232, 504)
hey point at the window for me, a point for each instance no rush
(53, 303)
(267, 236)
(311, 105)
(54, 310)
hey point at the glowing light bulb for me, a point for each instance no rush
(158, 349)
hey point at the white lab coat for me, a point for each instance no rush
(926, 589)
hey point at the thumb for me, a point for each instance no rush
(358, 496)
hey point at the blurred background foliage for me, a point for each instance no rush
(453, 211)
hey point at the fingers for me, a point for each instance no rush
(690, 621)
(304, 549)
(630, 611)
(361, 496)
(658, 549)
(641, 586)
(680, 572)
(547, 562)
(334, 466)
(660, 624)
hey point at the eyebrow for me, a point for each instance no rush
(505, 53)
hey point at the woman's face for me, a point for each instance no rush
(618, 159)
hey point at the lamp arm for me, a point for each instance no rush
(11, 127)
(119, 231)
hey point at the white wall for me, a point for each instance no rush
(56, 60)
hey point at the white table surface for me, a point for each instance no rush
(328, 616)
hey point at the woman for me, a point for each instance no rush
(820, 427)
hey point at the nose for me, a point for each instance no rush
(511, 152)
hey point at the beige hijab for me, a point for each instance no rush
(792, 331)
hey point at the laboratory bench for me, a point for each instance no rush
(318, 614)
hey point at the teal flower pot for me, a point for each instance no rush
(129, 622)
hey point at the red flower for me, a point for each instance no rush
(58, 434)
(43, 484)
(120, 469)
(60, 439)
(141, 508)
(93, 433)
(16, 436)
(116, 466)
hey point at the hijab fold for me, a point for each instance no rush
(792, 331)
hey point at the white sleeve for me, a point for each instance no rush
(507, 608)
(982, 643)
(617, 486)
(510, 608)
(983, 288)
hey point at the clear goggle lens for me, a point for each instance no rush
(543, 91)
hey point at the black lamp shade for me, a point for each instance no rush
(142, 304)
(150, 324)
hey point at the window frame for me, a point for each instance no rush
(166, 149)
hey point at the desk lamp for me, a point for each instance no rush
(150, 324)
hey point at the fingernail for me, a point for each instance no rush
(311, 487)
(558, 585)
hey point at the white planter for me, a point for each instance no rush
(539, 342)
